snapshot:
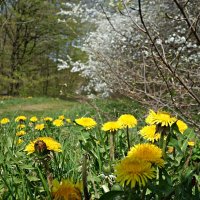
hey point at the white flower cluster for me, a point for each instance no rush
(118, 51)
(62, 65)
(112, 53)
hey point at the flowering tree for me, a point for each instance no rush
(147, 51)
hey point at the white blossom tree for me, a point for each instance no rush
(148, 51)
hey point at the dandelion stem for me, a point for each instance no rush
(128, 139)
(84, 177)
(162, 146)
(112, 146)
(143, 192)
(162, 143)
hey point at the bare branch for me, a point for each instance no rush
(163, 59)
(190, 24)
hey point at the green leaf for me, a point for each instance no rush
(84, 136)
(44, 183)
(189, 132)
(29, 167)
(32, 178)
(174, 142)
(184, 146)
(94, 178)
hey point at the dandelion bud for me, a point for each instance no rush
(106, 168)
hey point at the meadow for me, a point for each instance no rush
(102, 149)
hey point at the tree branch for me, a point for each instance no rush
(188, 21)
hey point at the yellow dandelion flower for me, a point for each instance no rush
(21, 126)
(66, 190)
(20, 118)
(61, 117)
(19, 141)
(127, 120)
(39, 127)
(86, 122)
(191, 143)
(161, 118)
(4, 121)
(58, 122)
(111, 126)
(150, 119)
(68, 120)
(34, 119)
(182, 126)
(170, 149)
(50, 143)
(20, 133)
(149, 133)
(48, 119)
(134, 171)
(147, 152)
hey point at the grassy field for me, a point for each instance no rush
(41, 106)
(12, 156)
(81, 151)
(45, 106)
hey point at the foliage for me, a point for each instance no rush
(33, 41)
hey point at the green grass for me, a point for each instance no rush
(39, 106)
(101, 109)
(64, 165)
(27, 177)
(107, 109)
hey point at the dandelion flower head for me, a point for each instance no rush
(127, 120)
(191, 143)
(48, 119)
(19, 141)
(51, 144)
(34, 119)
(161, 118)
(111, 126)
(20, 133)
(133, 171)
(170, 149)
(86, 122)
(58, 122)
(182, 126)
(61, 117)
(39, 127)
(4, 121)
(147, 152)
(149, 133)
(20, 118)
(21, 126)
(66, 190)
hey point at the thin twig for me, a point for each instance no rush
(188, 21)
(163, 59)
